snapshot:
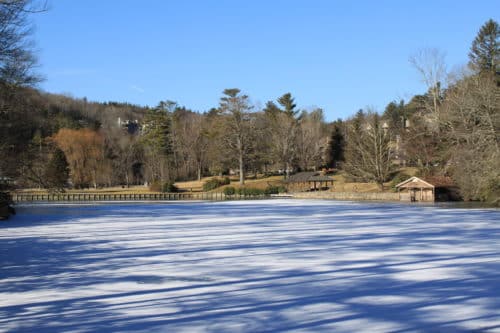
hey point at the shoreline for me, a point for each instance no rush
(86, 198)
(349, 196)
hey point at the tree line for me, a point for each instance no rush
(47, 140)
(108, 144)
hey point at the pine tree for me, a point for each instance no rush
(157, 130)
(157, 140)
(288, 104)
(336, 145)
(237, 107)
(57, 171)
(485, 50)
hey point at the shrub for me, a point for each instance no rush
(400, 177)
(249, 191)
(275, 189)
(169, 187)
(229, 190)
(165, 187)
(210, 184)
(214, 183)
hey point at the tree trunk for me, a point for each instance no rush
(381, 186)
(242, 175)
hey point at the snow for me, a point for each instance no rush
(250, 266)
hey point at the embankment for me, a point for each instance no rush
(378, 196)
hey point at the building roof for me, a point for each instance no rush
(303, 177)
(440, 181)
(414, 182)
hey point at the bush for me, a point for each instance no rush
(275, 189)
(169, 187)
(249, 191)
(165, 187)
(211, 184)
(229, 190)
(214, 183)
(400, 177)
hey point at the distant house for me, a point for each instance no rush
(436, 188)
(131, 126)
(309, 181)
(416, 189)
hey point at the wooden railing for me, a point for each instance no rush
(83, 197)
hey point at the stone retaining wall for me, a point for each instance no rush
(383, 196)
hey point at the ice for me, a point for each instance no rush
(250, 266)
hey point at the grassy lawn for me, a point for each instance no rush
(341, 184)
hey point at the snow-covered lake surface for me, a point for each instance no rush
(250, 266)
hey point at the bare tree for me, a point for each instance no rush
(283, 127)
(369, 155)
(430, 64)
(471, 124)
(192, 133)
(422, 143)
(312, 139)
(17, 58)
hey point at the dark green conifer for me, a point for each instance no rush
(485, 50)
(57, 171)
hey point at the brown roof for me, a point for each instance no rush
(440, 181)
(414, 182)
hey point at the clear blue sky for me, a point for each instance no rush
(337, 55)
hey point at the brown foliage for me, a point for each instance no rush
(84, 150)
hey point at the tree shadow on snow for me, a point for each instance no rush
(379, 267)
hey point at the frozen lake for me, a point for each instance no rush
(250, 266)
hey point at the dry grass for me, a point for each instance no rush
(192, 185)
(261, 183)
(341, 184)
(107, 190)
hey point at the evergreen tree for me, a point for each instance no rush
(337, 145)
(157, 129)
(157, 141)
(357, 122)
(57, 171)
(396, 115)
(485, 50)
(288, 104)
(236, 108)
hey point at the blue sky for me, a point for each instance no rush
(337, 55)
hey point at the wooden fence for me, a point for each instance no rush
(83, 197)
